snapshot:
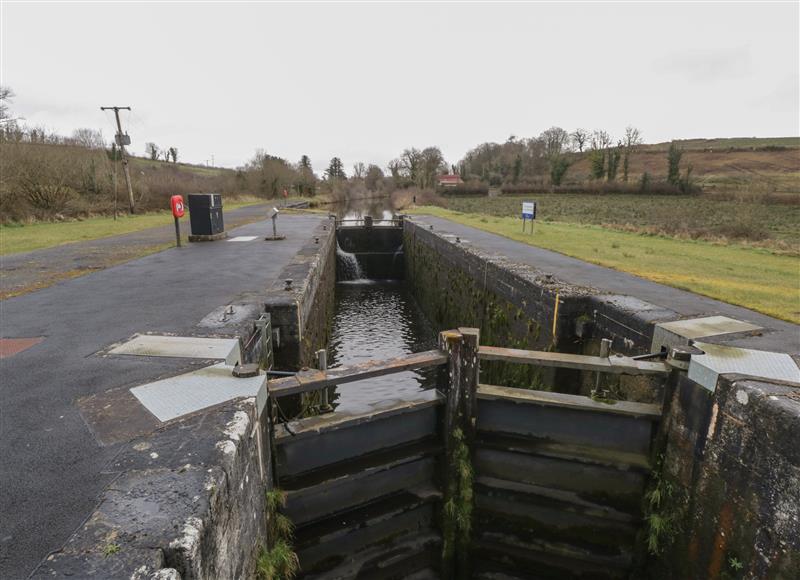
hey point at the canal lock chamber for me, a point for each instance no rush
(568, 472)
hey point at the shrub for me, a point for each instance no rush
(644, 183)
(464, 189)
(597, 163)
(558, 168)
(39, 179)
(673, 164)
(602, 188)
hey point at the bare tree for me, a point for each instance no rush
(9, 128)
(394, 167)
(152, 150)
(6, 98)
(89, 138)
(173, 152)
(555, 140)
(373, 177)
(432, 165)
(359, 170)
(579, 138)
(601, 139)
(410, 163)
(632, 139)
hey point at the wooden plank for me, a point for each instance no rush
(614, 364)
(469, 379)
(545, 398)
(313, 380)
(320, 424)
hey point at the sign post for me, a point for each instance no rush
(178, 209)
(528, 213)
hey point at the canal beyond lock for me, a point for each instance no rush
(376, 320)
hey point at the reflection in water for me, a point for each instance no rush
(378, 208)
(378, 320)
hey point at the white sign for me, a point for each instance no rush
(528, 210)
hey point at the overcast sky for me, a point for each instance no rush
(363, 81)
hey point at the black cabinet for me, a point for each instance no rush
(205, 214)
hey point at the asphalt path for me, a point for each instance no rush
(52, 469)
(27, 271)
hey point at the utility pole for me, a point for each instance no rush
(121, 142)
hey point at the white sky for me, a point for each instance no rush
(363, 81)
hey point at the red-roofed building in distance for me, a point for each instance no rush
(450, 180)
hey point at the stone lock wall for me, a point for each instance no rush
(514, 306)
(301, 315)
(188, 503)
(732, 467)
(725, 464)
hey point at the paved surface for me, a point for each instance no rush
(21, 273)
(782, 336)
(52, 468)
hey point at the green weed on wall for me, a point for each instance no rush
(452, 298)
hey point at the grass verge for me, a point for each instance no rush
(25, 238)
(749, 277)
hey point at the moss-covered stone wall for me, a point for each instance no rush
(731, 473)
(514, 306)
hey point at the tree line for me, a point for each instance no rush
(43, 173)
(550, 155)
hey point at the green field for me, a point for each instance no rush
(775, 226)
(25, 238)
(754, 278)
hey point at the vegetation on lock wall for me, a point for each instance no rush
(277, 560)
(457, 511)
(451, 298)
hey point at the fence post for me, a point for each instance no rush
(459, 432)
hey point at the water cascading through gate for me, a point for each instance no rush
(350, 268)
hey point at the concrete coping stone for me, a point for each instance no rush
(705, 369)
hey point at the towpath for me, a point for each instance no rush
(52, 467)
(27, 271)
(783, 336)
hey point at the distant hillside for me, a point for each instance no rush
(719, 164)
(42, 180)
(144, 163)
(749, 143)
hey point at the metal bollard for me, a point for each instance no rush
(322, 364)
(605, 352)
